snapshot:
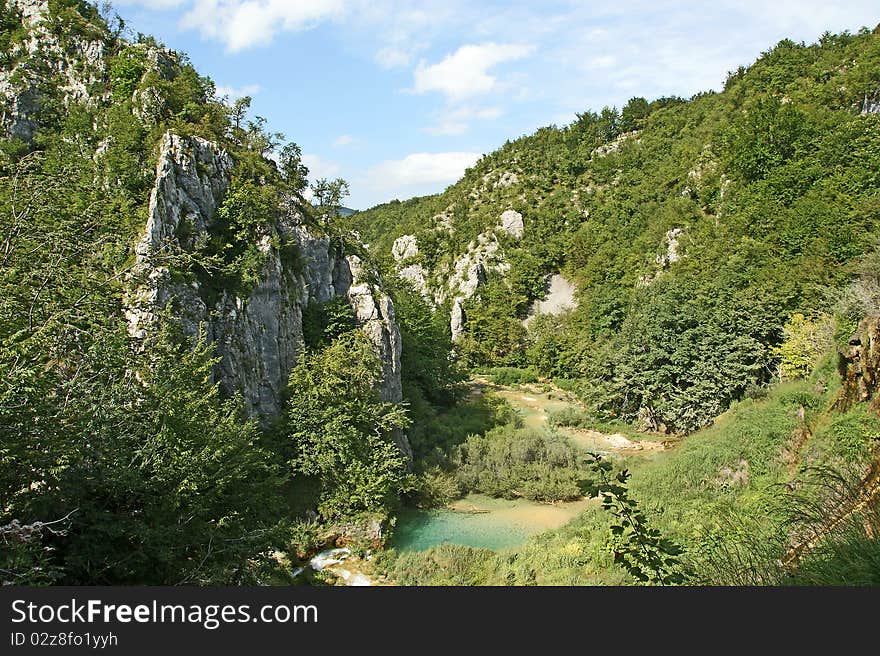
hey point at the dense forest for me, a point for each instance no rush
(725, 251)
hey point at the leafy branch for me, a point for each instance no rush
(640, 549)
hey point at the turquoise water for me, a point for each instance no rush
(479, 521)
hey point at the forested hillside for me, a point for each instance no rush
(197, 371)
(724, 255)
(210, 376)
(696, 231)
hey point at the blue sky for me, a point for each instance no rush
(400, 97)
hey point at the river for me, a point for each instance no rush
(481, 521)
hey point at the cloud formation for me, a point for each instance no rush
(457, 120)
(241, 24)
(465, 73)
(234, 93)
(320, 167)
(419, 169)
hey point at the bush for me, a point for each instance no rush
(512, 375)
(571, 416)
(435, 488)
(806, 340)
(447, 564)
(341, 433)
(510, 463)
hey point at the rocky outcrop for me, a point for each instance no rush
(374, 311)
(460, 281)
(560, 298)
(670, 254)
(614, 145)
(457, 319)
(511, 222)
(258, 334)
(405, 248)
(871, 103)
(67, 67)
(859, 366)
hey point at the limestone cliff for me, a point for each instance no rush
(50, 57)
(258, 335)
(458, 282)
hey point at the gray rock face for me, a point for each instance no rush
(560, 298)
(871, 103)
(405, 248)
(457, 319)
(512, 223)
(464, 277)
(470, 272)
(258, 338)
(41, 61)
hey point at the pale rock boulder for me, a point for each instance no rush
(511, 222)
(374, 311)
(405, 248)
(560, 298)
(416, 275)
(457, 319)
(673, 245)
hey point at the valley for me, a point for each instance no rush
(638, 348)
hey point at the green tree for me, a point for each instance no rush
(341, 433)
(327, 197)
(294, 172)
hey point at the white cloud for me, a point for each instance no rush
(457, 121)
(391, 57)
(234, 93)
(320, 167)
(420, 169)
(343, 140)
(465, 73)
(242, 24)
(602, 61)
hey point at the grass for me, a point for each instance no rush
(724, 484)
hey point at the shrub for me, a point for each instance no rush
(512, 375)
(510, 463)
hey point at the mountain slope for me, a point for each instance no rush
(163, 286)
(694, 230)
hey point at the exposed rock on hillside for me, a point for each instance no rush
(41, 61)
(614, 145)
(860, 365)
(258, 336)
(670, 254)
(460, 281)
(512, 223)
(560, 298)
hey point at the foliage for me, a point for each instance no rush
(769, 186)
(341, 433)
(121, 462)
(324, 322)
(448, 564)
(511, 375)
(510, 463)
(126, 70)
(327, 196)
(638, 547)
(435, 488)
(806, 340)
